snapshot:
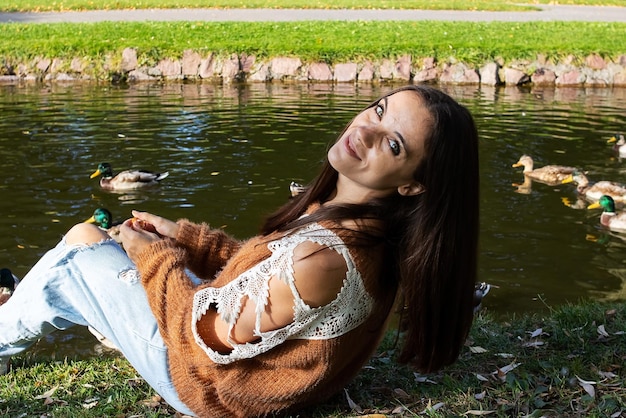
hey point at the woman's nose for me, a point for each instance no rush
(368, 135)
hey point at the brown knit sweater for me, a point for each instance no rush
(295, 374)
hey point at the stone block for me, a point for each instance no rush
(320, 71)
(345, 72)
(129, 60)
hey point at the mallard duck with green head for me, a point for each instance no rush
(593, 192)
(619, 144)
(103, 218)
(551, 175)
(127, 179)
(615, 221)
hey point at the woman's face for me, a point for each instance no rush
(380, 150)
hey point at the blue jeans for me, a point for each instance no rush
(92, 285)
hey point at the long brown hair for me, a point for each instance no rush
(432, 237)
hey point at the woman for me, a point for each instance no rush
(287, 318)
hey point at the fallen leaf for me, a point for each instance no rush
(602, 331)
(587, 386)
(589, 389)
(423, 379)
(481, 378)
(353, 405)
(474, 412)
(607, 375)
(537, 343)
(477, 350)
(150, 404)
(589, 382)
(437, 406)
(480, 396)
(90, 405)
(536, 333)
(47, 394)
(401, 393)
(509, 367)
(432, 408)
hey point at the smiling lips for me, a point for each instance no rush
(349, 148)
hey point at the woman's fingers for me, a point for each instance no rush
(162, 226)
(134, 239)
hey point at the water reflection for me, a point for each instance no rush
(231, 152)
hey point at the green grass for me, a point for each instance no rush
(566, 363)
(506, 5)
(555, 355)
(473, 43)
(331, 42)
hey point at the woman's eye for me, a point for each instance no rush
(395, 147)
(379, 111)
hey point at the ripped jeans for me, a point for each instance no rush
(97, 286)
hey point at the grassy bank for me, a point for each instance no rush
(473, 43)
(469, 42)
(569, 363)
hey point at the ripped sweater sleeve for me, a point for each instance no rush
(207, 249)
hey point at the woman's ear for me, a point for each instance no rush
(411, 189)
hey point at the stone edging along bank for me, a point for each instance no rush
(592, 70)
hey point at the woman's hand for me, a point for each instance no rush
(153, 223)
(137, 233)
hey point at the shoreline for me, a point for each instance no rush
(592, 70)
(572, 71)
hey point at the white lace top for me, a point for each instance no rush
(350, 308)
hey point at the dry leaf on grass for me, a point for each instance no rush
(481, 378)
(505, 355)
(89, 405)
(536, 343)
(47, 394)
(587, 385)
(401, 394)
(423, 379)
(607, 375)
(432, 408)
(602, 332)
(474, 412)
(501, 372)
(353, 406)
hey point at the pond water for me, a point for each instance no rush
(231, 152)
